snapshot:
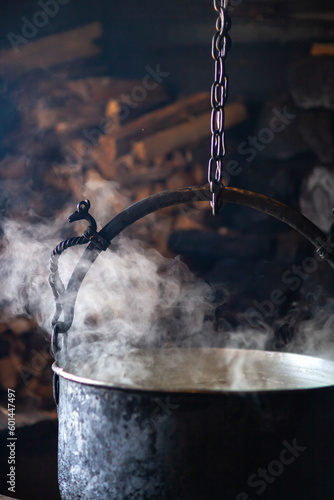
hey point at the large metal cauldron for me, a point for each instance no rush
(183, 433)
(186, 432)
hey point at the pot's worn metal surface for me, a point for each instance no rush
(194, 438)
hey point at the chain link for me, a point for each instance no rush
(220, 45)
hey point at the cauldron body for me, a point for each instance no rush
(184, 443)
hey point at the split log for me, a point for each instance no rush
(137, 174)
(179, 111)
(143, 176)
(150, 123)
(141, 193)
(322, 49)
(108, 147)
(186, 223)
(180, 179)
(93, 125)
(52, 50)
(104, 155)
(185, 134)
(73, 115)
(89, 125)
(44, 108)
(188, 217)
(104, 88)
(117, 141)
(80, 68)
(133, 103)
(112, 112)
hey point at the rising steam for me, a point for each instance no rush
(132, 298)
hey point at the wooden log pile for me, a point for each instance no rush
(74, 129)
(73, 126)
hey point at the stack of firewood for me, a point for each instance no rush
(76, 126)
(73, 125)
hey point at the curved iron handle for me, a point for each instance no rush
(113, 228)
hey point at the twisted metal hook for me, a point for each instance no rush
(55, 281)
(58, 288)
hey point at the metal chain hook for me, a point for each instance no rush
(220, 43)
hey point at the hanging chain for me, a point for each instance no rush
(220, 45)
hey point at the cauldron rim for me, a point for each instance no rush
(298, 361)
